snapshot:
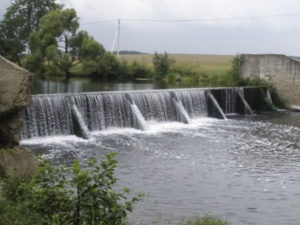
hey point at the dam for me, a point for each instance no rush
(79, 114)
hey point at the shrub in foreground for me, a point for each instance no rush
(60, 195)
(205, 220)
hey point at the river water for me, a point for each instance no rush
(245, 169)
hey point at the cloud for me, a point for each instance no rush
(219, 26)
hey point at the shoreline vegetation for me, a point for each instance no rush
(202, 69)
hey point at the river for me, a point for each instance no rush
(245, 169)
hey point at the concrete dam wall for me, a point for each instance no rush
(279, 70)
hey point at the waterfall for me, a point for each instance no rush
(194, 102)
(47, 116)
(181, 114)
(156, 105)
(230, 101)
(139, 119)
(80, 114)
(80, 128)
(215, 110)
(247, 108)
(269, 97)
(101, 111)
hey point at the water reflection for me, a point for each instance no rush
(75, 85)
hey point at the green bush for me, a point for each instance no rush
(162, 64)
(139, 70)
(60, 195)
(14, 213)
(205, 220)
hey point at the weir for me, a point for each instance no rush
(80, 128)
(140, 120)
(82, 113)
(244, 104)
(182, 115)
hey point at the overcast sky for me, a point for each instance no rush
(216, 26)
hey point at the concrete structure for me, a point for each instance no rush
(279, 70)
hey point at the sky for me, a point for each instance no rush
(225, 27)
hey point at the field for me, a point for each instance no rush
(208, 64)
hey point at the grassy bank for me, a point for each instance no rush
(198, 63)
(203, 70)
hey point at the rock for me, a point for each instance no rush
(15, 95)
(18, 160)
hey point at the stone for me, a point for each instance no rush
(15, 95)
(17, 160)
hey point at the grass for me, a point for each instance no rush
(196, 63)
(205, 220)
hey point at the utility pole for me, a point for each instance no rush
(119, 24)
(117, 38)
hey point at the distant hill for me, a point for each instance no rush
(129, 52)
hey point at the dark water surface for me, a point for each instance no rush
(245, 169)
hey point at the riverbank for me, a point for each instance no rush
(199, 63)
(141, 65)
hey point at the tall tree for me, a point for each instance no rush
(21, 18)
(57, 46)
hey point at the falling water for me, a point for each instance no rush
(51, 115)
(47, 116)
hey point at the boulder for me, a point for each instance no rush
(15, 95)
(17, 160)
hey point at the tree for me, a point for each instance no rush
(21, 18)
(57, 46)
(162, 64)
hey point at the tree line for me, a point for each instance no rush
(49, 36)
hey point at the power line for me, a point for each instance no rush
(100, 21)
(196, 20)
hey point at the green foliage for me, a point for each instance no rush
(230, 78)
(139, 70)
(222, 80)
(57, 46)
(105, 65)
(162, 64)
(206, 220)
(236, 64)
(47, 51)
(14, 213)
(21, 18)
(60, 195)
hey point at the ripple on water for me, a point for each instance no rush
(244, 169)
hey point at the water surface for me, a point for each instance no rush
(245, 169)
